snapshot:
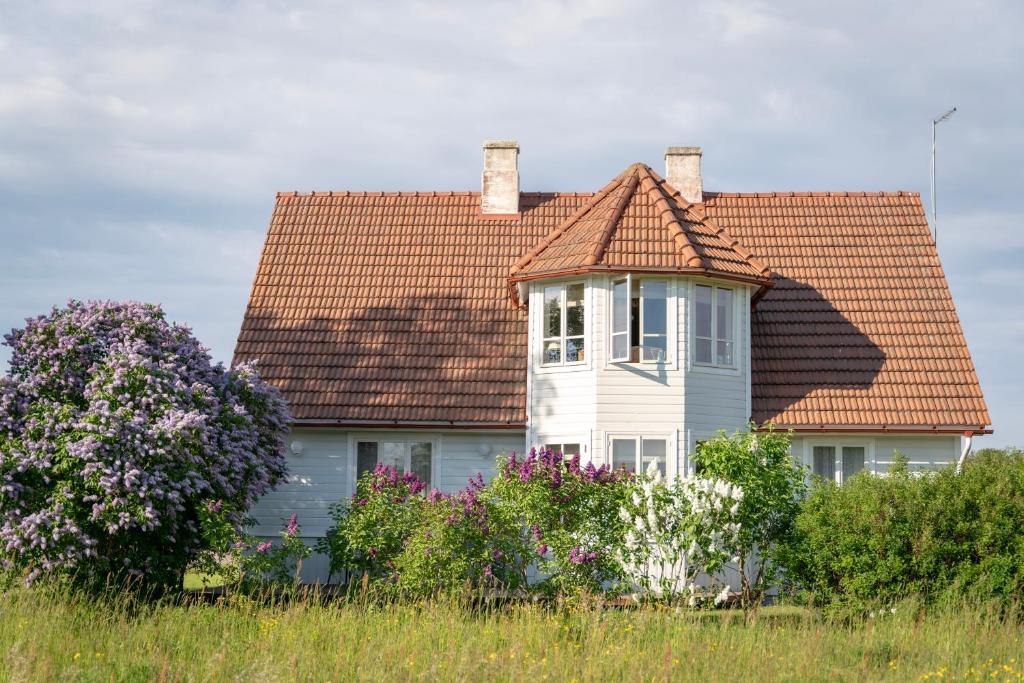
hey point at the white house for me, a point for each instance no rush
(436, 330)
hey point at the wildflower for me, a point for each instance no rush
(214, 506)
(488, 572)
(542, 549)
(292, 529)
(264, 547)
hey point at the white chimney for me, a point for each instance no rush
(500, 194)
(682, 171)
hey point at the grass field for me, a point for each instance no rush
(46, 635)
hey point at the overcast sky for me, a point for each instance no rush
(141, 143)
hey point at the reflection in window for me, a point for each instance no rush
(714, 336)
(405, 456)
(563, 325)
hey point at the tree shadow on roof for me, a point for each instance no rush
(802, 344)
(437, 358)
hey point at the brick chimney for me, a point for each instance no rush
(682, 171)
(500, 193)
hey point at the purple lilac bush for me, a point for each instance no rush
(120, 441)
(566, 515)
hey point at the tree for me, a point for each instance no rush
(123, 449)
(759, 462)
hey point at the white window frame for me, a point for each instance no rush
(435, 453)
(563, 339)
(738, 344)
(839, 442)
(671, 305)
(638, 440)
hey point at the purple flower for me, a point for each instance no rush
(264, 547)
(488, 572)
(214, 506)
(578, 556)
(542, 549)
(292, 529)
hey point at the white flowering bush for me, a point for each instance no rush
(677, 530)
(125, 453)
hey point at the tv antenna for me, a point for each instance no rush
(935, 216)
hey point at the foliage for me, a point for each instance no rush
(880, 539)
(677, 530)
(459, 543)
(281, 562)
(372, 529)
(61, 635)
(122, 445)
(566, 516)
(759, 463)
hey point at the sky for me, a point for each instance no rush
(141, 143)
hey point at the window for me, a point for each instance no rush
(566, 449)
(635, 454)
(405, 456)
(639, 321)
(837, 463)
(714, 336)
(562, 339)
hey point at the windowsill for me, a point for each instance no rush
(566, 367)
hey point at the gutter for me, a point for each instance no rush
(880, 429)
(394, 424)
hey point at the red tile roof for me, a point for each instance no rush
(638, 223)
(859, 328)
(394, 307)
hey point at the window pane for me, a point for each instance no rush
(654, 451)
(655, 348)
(366, 457)
(571, 449)
(574, 350)
(620, 307)
(552, 352)
(624, 454)
(703, 350)
(703, 311)
(620, 346)
(393, 455)
(825, 462)
(724, 315)
(723, 353)
(552, 311)
(853, 460)
(655, 306)
(420, 461)
(574, 310)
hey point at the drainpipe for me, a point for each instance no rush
(968, 436)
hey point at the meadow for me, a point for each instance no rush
(52, 634)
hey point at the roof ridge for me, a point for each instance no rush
(723, 234)
(829, 193)
(652, 184)
(613, 220)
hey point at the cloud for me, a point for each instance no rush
(144, 141)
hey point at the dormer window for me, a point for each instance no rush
(563, 338)
(639, 320)
(714, 326)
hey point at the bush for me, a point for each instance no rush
(566, 518)
(124, 451)
(371, 530)
(281, 563)
(877, 540)
(760, 464)
(679, 529)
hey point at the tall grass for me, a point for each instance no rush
(53, 634)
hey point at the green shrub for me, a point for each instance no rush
(566, 517)
(760, 464)
(371, 530)
(877, 540)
